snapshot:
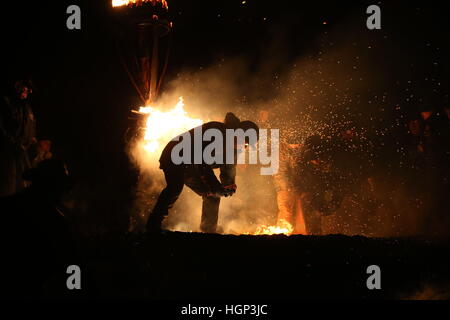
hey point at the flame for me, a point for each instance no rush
(120, 3)
(283, 227)
(161, 127)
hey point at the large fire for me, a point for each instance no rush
(120, 3)
(162, 126)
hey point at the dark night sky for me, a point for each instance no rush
(83, 95)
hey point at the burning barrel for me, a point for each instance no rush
(143, 42)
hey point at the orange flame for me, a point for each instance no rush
(283, 227)
(161, 126)
(120, 3)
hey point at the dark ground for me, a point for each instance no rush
(214, 267)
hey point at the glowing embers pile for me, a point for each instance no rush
(161, 127)
(120, 3)
(283, 227)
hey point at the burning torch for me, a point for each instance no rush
(143, 43)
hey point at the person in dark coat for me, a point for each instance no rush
(17, 137)
(37, 239)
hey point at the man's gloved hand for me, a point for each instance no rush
(222, 191)
(229, 191)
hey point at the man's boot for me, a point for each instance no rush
(154, 222)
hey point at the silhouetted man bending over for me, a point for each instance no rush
(199, 177)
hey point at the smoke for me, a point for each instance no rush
(337, 86)
(208, 94)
